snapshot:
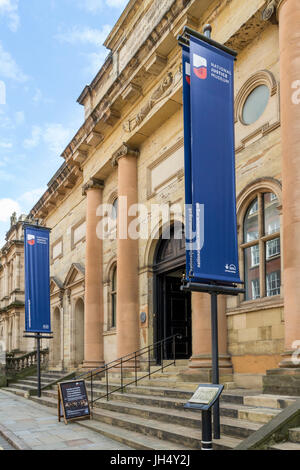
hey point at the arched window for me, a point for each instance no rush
(114, 297)
(261, 247)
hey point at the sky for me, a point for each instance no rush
(49, 51)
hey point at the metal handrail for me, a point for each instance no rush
(119, 363)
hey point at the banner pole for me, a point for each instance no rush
(38, 340)
(215, 360)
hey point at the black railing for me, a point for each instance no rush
(134, 361)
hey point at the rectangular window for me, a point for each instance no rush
(273, 248)
(273, 283)
(254, 256)
(255, 289)
(251, 257)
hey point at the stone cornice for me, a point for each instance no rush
(59, 186)
(124, 151)
(92, 183)
(134, 79)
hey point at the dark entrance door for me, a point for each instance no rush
(173, 307)
(177, 317)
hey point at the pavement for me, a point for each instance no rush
(26, 425)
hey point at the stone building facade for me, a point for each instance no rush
(12, 316)
(113, 296)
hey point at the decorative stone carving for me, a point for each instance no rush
(269, 13)
(122, 152)
(164, 89)
(93, 183)
(13, 219)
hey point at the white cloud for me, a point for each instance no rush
(116, 3)
(92, 6)
(9, 9)
(7, 207)
(85, 35)
(9, 68)
(31, 197)
(6, 145)
(35, 138)
(19, 117)
(95, 61)
(56, 137)
(95, 6)
(37, 96)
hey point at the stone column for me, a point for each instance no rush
(201, 360)
(93, 315)
(127, 255)
(289, 46)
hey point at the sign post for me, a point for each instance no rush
(37, 289)
(211, 226)
(205, 397)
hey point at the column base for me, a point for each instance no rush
(203, 361)
(290, 359)
(286, 379)
(200, 369)
(93, 364)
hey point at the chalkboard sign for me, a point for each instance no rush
(73, 402)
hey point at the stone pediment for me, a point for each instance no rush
(75, 275)
(55, 285)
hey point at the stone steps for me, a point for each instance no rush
(285, 446)
(178, 435)
(294, 435)
(156, 409)
(278, 402)
(293, 442)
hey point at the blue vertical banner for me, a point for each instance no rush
(37, 279)
(186, 72)
(212, 250)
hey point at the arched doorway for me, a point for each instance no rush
(56, 343)
(79, 331)
(172, 306)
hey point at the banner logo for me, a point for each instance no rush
(188, 72)
(31, 240)
(200, 66)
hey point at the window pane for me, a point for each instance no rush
(273, 283)
(273, 267)
(114, 212)
(251, 260)
(255, 104)
(251, 222)
(271, 215)
(114, 280)
(114, 310)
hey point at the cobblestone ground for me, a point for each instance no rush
(37, 427)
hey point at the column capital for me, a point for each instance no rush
(92, 183)
(123, 151)
(270, 12)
